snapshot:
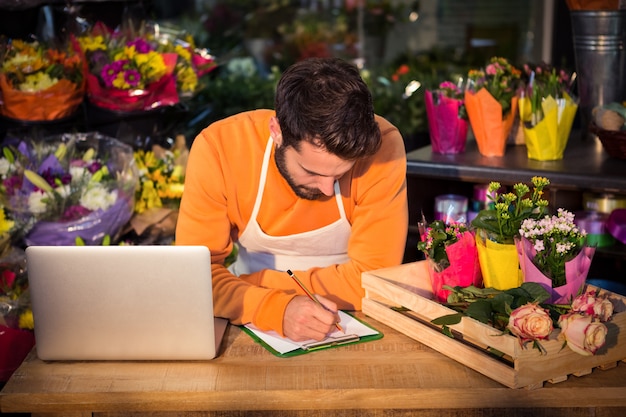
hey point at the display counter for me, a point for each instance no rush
(394, 376)
(585, 167)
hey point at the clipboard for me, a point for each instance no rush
(356, 331)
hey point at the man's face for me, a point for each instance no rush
(311, 173)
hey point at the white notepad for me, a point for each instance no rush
(354, 330)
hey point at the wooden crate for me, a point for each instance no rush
(401, 297)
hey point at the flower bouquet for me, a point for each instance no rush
(16, 318)
(141, 71)
(447, 119)
(491, 104)
(497, 227)
(547, 113)
(40, 83)
(553, 253)
(69, 188)
(526, 313)
(126, 72)
(452, 255)
(161, 185)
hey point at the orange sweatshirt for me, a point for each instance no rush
(221, 183)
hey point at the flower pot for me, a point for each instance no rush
(464, 269)
(499, 263)
(448, 132)
(491, 128)
(546, 141)
(576, 272)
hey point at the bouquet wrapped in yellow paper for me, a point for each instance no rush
(547, 110)
(546, 141)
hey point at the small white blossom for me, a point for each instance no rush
(5, 167)
(97, 197)
(36, 202)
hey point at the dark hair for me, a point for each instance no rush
(326, 102)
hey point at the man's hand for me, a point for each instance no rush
(305, 320)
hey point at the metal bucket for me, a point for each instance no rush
(600, 54)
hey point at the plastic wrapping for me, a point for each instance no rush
(546, 141)
(71, 186)
(448, 132)
(490, 128)
(40, 83)
(464, 269)
(576, 272)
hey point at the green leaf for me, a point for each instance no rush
(8, 155)
(79, 241)
(448, 320)
(480, 310)
(536, 291)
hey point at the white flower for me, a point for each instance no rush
(64, 190)
(36, 203)
(5, 167)
(98, 197)
(78, 174)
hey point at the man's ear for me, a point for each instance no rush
(275, 131)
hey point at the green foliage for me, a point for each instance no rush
(502, 222)
(488, 305)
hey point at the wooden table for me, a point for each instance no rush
(394, 376)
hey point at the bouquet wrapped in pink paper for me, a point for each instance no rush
(140, 71)
(553, 253)
(447, 120)
(452, 256)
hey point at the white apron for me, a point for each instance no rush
(322, 247)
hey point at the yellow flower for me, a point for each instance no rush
(183, 52)
(188, 79)
(95, 43)
(151, 65)
(172, 191)
(120, 82)
(149, 198)
(26, 321)
(5, 224)
(37, 82)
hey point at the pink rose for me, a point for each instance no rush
(583, 303)
(603, 309)
(530, 322)
(582, 334)
(592, 305)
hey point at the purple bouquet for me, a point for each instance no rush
(68, 188)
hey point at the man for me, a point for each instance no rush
(317, 187)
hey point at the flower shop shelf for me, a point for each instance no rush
(585, 167)
(401, 297)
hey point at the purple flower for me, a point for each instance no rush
(12, 184)
(94, 167)
(51, 178)
(74, 213)
(132, 77)
(110, 71)
(141, 46)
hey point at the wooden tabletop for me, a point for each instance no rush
(393, 376)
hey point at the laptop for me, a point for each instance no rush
(123, 303)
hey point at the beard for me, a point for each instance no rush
(301, 191)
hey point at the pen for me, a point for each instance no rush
(309, 294)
